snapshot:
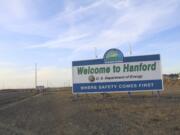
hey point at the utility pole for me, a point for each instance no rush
(130, 49)
(35, 75)
(95, 52)
(130, 53)
(47, 84)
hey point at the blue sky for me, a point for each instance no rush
(54, 33)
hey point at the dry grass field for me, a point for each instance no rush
(60, 113)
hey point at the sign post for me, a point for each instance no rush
(116, 73)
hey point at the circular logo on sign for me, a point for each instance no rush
(113, 55)
(91, 78)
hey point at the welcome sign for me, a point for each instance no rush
(116, 73)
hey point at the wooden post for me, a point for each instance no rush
(103, 94)
(76, 96)
(158, 94)
(129, 94)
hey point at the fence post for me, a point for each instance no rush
(158, 94)
(129, 94)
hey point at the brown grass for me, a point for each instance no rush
(60, 113)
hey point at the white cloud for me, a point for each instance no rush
(12, 11)
(19, 18)
(61, 41)
(134, 23)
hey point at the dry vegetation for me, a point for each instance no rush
(60, 113)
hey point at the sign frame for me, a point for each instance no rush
(140, 58)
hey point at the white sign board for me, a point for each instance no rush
(116, 73)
